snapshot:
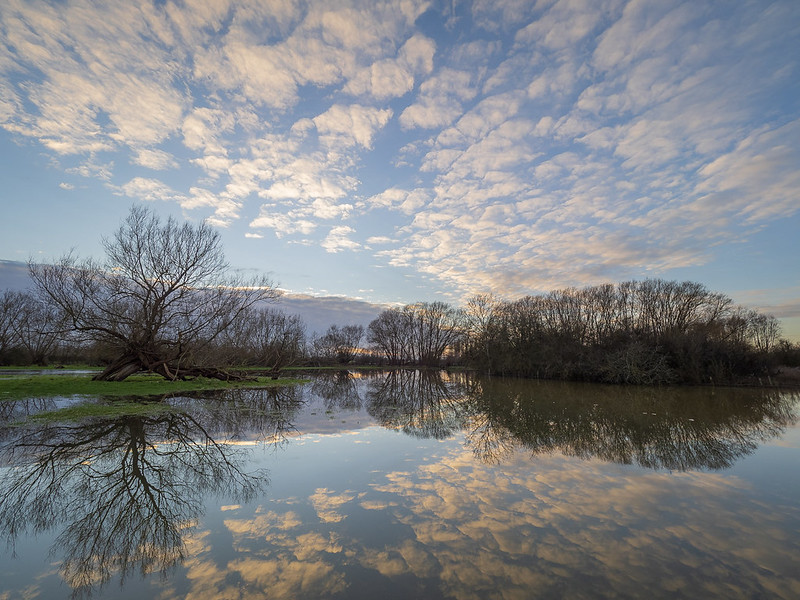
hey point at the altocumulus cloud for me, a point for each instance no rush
(503, 145)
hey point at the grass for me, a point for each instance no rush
(14, 387)
(68, 367)
(103, 410)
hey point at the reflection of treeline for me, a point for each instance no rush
(657, 428)
(242, 413)
(675, 428)
(421, 403)
(641, 332)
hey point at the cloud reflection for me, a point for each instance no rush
(554, 528)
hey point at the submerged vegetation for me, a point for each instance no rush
(100, 410)
(20, 386)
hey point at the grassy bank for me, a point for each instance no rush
(40, 386)
(99, 410)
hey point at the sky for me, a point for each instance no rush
(403, 151)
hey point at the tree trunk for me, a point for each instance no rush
(120, 369)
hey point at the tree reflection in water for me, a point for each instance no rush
(266, 415)
(659, 428)
(124, 490)
(426, 404)
(339, 389)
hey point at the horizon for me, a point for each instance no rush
(394, 152)
(317, 312)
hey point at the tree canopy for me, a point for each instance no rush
(163, 293)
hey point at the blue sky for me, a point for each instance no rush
(410, 150)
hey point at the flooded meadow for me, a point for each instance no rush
(406, 484)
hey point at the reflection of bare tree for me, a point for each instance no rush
(17, 409)
(122, 489)
(422, 403)
(339, 389)
(656, 428)
(266, 414)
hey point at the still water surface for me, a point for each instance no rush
(409, 485)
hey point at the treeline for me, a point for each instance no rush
(639, 332)
(642, 332)
(36, 331)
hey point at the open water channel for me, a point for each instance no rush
(408, 484)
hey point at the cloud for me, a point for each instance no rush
(327, 503)
(667, 162)
(338, 240)
(283, 224)
(155, 159)
(143, 188)
(759, 179)
(394, 77)
(348, 125)
(407, 202)
(563, 26)
(319, 312)
(440, 100)
(515, 148)
(104, 90)
(203, 130)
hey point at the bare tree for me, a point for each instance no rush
(271, 338)
(436, 327)
(162, 295)
(763, 331)
(389, 334)
(11, 305)
(421, 332)
(339, 343)
(40, 327)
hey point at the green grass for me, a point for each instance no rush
(68, 367)
(103, 410)
(39, 386)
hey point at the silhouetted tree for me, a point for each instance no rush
(339, 343)
(11, 306)
(419, 333)
(389, 334)
(40, 327)
(265, 337)
(163, 294)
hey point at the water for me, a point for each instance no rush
(406, 485)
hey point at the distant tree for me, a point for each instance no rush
(418, 333)
(11, 306)
(389, 334)
(435, 327)
(339, 343)
(272, 339)
(162, 296)
(763, 331)
(40, 327)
